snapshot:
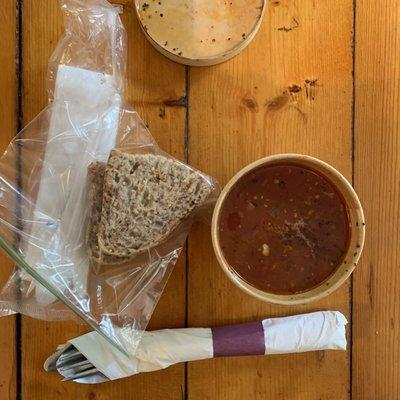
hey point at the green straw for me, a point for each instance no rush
(31, 271)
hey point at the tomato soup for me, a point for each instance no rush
(284, 228)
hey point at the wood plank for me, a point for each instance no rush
(8, 127)
(151, 81)
(376, 334)
(243, 110)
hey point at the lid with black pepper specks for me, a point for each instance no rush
(200, 32)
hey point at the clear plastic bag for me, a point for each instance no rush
(44, 189)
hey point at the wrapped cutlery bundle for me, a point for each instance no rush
(90, 206)
(91, 359)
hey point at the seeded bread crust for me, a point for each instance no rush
(96, 172)
(144, 198)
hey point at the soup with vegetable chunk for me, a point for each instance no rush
(284, 228)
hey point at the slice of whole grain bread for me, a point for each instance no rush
(145, 197)
(96, 172)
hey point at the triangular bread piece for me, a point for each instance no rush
(145, 197)
(96, 172)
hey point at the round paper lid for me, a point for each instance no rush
(200, 32)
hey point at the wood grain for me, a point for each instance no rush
(8, 125)
(152, 81)
(376, 332)
(290, 91)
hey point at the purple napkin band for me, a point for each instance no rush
(239, 340)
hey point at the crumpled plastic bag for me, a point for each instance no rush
(43, 189)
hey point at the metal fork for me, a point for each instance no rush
(73, 366)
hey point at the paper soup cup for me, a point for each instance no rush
(356, 231)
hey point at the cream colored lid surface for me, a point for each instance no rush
(199, 29)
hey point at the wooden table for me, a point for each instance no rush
(322, 77)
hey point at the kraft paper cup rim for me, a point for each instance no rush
(357, 232)
(203, 61)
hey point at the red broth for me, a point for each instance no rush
(284, 228)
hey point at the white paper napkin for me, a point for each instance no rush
(83, 126)
(324, 330)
